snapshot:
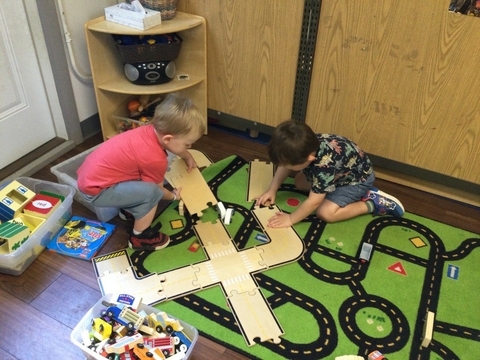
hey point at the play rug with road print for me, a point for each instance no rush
(324, 302)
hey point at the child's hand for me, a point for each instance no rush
(280, 220)
(266, 199)
(191, 164)
(176, 193)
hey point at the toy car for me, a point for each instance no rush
(123, 315)
(144, 353)
(154, 323)
(366, 252)
(101, 329)
(376, 355)
(171, 325)
(165, 344)
(182, 342)
(124, 344)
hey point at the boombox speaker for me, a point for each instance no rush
(150, 73)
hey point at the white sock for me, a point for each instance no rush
(135, 232)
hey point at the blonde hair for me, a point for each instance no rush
(177, 115)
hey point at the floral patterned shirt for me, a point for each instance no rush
(338, 162)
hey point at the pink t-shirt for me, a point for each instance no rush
(133, 155)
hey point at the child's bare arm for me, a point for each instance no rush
(170, 195)
(306, 208)
(189, 160)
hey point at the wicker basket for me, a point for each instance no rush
(151, 52)
(167, 8)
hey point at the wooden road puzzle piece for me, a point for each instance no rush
(285, 245)
(252, 312)
(213, 234)
(201, 158)
(226, 266)
(196, 194)
(116, 274)
(260, 175)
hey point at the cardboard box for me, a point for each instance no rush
(138, 20)
(66, 173)
(76, 335)
(17, 261)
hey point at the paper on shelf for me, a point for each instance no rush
(134, 15)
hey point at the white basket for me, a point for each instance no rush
(85, 323)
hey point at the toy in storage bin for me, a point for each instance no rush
(16, 262)
(66, 173)
(76, 336)
(124, 120)
(148, 48)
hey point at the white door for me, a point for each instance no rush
(26, 120)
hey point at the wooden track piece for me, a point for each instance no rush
(201, 158)
(260, 175)
(428, 329)
(196, 194)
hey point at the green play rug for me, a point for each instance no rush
(329, 303)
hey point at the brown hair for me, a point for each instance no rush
(291, 143)
(177, 115)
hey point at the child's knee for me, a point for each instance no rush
(325, 216)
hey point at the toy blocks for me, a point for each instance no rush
(12, 236)
(32, 222)
(22, 211)
(13, 198)
(428, 329)
(42, 206)
(41, 230)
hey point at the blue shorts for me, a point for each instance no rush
(137, 197)
(344, 195)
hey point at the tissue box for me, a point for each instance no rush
(138, 20)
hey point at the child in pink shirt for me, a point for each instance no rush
(127, 171)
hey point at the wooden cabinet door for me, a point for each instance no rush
(252, 52)
(400, 78)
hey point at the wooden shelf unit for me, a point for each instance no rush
(112, 88)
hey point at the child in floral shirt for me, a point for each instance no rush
(335, 172)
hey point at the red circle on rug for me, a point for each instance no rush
(293, 202)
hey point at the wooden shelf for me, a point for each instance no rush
(123, 86)
(111, 86)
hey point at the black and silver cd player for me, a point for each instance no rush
(150, 73)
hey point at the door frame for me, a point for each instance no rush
(48, 39)
(45, 68)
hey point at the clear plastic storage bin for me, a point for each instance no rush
(66, 173)
(16, 262)
(76, 335)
